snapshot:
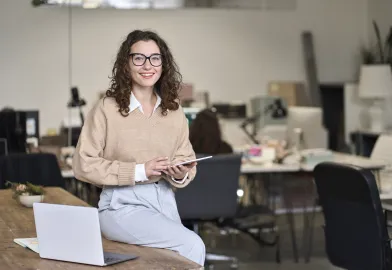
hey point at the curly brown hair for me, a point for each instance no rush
(167, 86)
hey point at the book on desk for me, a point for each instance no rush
(30, 243)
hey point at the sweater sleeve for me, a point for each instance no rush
(88, 163)
(183, 152)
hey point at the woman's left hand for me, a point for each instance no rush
(179, 172)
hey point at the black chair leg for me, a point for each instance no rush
(278, 255)
(210, 257)
(309, 238)
(262, 242)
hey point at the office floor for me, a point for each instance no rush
(252, 257)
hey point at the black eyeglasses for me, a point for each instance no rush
(139, 59)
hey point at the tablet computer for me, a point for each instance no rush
(193, 160)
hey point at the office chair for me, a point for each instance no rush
(38, 168)
(355, 227)
(211, 195)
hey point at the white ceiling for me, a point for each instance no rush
(173, 4)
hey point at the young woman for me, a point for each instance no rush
(205, 135)
(129, 143)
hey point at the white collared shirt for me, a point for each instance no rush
(140, 170)
(135, 104)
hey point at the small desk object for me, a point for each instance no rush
(364, 142)
(17, 221)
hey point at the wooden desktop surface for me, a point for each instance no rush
(17, 221)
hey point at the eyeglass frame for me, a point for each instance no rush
(146, 58)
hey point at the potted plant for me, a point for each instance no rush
(375, 86)
(27, 194)
(381, 52)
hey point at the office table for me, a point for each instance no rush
(274, 173)
(17, 221)
(387, 205)
(250, 168)
(359, 161)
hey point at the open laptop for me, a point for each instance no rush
(72, 233)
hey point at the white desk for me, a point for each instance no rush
(387, 205)
(359, 161)
(249, 168)
(246, 168)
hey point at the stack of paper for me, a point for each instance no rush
(30, 243)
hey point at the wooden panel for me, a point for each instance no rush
(17, 221)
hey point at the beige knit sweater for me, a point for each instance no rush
(111, 145)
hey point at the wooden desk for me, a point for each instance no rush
(17, 221)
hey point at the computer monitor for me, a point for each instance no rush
(190, 113)
(310, 121)
(258, 106)
(16, 126)
(3, 147)
(13, 130)
(32, 124)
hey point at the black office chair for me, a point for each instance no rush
(355, 227)
(212, 195)
(38, 168)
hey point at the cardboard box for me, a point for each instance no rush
(292, 92)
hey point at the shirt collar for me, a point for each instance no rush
(134, 104)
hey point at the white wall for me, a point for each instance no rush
(231, 53)
(380, 10)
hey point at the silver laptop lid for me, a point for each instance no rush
(68, 233)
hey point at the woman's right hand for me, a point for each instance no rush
(156, 166)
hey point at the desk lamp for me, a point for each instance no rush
(376, 84)
(75, 102)
(277, 111)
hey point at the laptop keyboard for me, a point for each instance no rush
(110, 259)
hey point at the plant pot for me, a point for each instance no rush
(29, 200)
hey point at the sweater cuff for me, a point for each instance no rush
(126, 174)
(180, 181)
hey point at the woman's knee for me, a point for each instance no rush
(193, 248)
(110, 229)
(197, 242)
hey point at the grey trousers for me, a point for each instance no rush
(147, 215)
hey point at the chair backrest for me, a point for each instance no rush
(39, 169)
(213, 192)
(355, 228)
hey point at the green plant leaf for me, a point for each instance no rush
(379, 42)
(34, 190)
(388, 47)
(368, 58)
